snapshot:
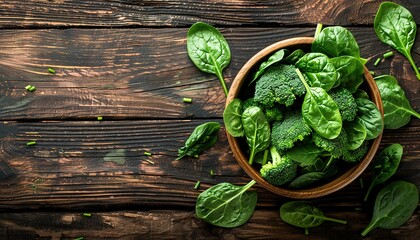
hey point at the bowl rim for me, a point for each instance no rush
(332, 186)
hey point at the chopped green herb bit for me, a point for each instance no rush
(31, 143)
(372, 73)
(87, 215)
(197, 185)
(148, 153)
(196, 156)
(100, 118)
(30, 88)
(388, 54)
(306, 231)
(211, 172)
(79, 238)
(51, 70)
(377, 62)
(358, 209)
(187, 100)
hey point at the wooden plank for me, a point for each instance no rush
(179, 224)
(101, 164)
(110, 13)
(140, 73)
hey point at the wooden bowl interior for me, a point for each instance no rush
(239, 146)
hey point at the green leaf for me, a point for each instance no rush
(232, 117)
(304, 154)
(397, 108)
(226, 205)
(203, 137)
(336, 41)
(303, 214)
(369, 115)
(294, 57)
(394, 205)
(394, 25)
(275, 58)
(256, 129)
(385, 165)
(306, 179)
(320, 111)
(208, 50)
(356, 134)
(319, 70)
(350, 71)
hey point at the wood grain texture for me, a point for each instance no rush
(140, 73)
(176, 224)
(101, 165)
(169, 13)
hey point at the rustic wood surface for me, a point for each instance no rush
(127, 61)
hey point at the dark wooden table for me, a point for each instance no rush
(127, 62)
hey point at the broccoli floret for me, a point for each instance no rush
(280, 171)
(285, 133)
(346, 103)
(272, 114)
(278, 84)
(250, 102)
(336, 147)
(358, 154)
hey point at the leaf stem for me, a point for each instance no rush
(413, 64)
(222, 81)
(251, 156)
(369, 228)
(318, 29)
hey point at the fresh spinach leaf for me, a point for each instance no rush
(385, 165)
(275, 58)
(303, 214)
(306, 179)
(294, 57)
(226, 205)
(319, 70)
(336, 41)
(394, 25)
(208, 50)
(394, 205)
(320, 111)
(203, 137)
(397, 108)
(356, 134)
(369, 115)
(232, 117)
(350, 71)
(256, 129)
(304, 154)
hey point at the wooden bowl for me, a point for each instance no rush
(242, 157)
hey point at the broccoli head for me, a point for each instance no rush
(346, 103)
(280, 170)
(337, 147)
(292, 129)
(271, 113)
(278, 84)
(357, 154)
